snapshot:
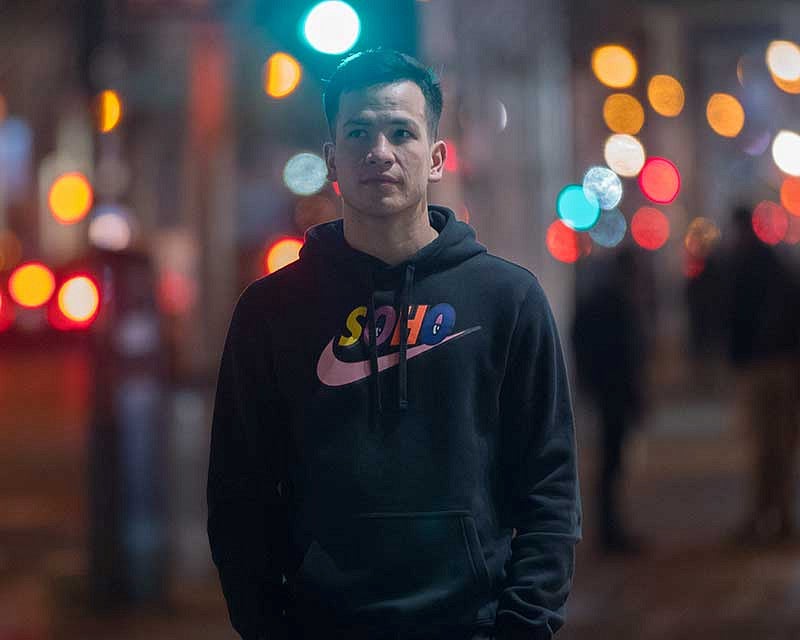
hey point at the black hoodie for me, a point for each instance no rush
(368, 487)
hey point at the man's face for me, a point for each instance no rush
(382, 157)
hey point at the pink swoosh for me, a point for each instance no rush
(334, 372)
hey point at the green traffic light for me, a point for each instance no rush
(332, 27)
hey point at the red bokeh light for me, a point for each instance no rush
(451, 162)
(660, 180)
(6, 311)
(793, 232)
(770, 222)
(336, 188)
(650, 228)
(693, 266)
(176, 293)
(565, 244)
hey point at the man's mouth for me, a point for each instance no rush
(381, 180)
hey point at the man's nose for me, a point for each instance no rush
(380, 153)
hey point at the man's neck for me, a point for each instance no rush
(392, 239)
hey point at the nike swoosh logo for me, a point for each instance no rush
(334, 372)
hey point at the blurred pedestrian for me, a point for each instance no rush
(763, 316)
(608, 342)
(353, 493)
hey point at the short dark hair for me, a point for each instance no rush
(382, 66)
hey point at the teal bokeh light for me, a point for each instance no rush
(577, 209)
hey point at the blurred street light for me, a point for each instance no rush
(332, 27)
(614, 66)
(650, 228)
(70, 197)
(660, 180)
(666, 95)
(77, 303)
(783, 60)
(109, 111)
(725, 115)
(786, 152)
(623, 113)
(282, 253)
(282, 74)
(624, 154)
(31, 284)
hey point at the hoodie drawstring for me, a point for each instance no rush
(406, 295)
(405, 300)
(373, 349)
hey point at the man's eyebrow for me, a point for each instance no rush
(365, 122)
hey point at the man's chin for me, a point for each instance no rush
(383, 207)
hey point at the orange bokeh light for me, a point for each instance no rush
(725, 115)
(789, 86)
(666, 95)
(623, 113)
(790, 195)
(282, 253)
(109, 111)
(70, 198)
(31, 284)
(282, 74)
(650, 228)
(660, 180)
(614, 66)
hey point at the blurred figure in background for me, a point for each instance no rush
(763, 320)
(609, 349)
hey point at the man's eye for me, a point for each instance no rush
(355, 133)
(404, 133)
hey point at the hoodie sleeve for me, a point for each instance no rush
(540, 477)
(247, 519)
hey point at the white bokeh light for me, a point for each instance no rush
(783, 60)
(604, 185)
(305, 174)
(786, 152)
(332, 27)
(110, 228)
(624, 154)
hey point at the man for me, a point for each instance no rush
(390, 407)
(763, 319)
(610, 354)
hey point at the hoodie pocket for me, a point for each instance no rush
(397, 567)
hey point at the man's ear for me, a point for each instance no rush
(438, 157)
(329, 149)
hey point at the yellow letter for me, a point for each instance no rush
(353, 326)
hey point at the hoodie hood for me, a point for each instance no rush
(455, 243)
(325, 245)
